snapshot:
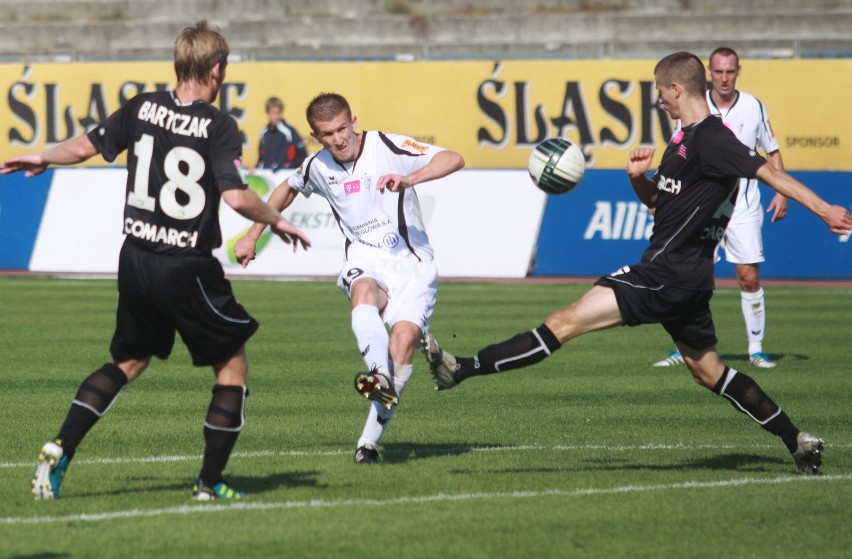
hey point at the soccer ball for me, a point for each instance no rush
(556, 165)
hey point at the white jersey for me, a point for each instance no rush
(748, 120)
(388, 223)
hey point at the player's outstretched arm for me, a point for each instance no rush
(69, 152)
(837, 218)
(249, 205)
(638, 162)
(441, 165)
(245, 249)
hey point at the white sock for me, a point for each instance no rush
(379, 416)
(401, 374)
(372, 338)
(754, 313)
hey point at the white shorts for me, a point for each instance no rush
(747, 207)
(412, 286)
(743, 243)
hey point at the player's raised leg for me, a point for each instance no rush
(596, 310)
(403, 340)
(373, 339)
(379, 417)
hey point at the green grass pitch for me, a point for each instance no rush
(591, 453)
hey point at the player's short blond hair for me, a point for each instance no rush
(684, 68)
(326, 106)
(197, 50)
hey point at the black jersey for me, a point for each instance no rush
(697, 186)
(180, 158)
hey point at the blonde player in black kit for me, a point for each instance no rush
(693, 192)
(183, 156)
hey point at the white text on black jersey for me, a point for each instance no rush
(669, 185)
(176, 123)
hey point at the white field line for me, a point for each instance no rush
(438, 450)
(200, 508)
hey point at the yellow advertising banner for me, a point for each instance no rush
(493, 113)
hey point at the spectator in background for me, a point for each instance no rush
(281, 147)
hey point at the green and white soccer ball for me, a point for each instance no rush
(557, 165)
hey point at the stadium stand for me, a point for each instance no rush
(39, 30)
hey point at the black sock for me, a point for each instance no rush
(782, 426)
(523, 350)
(746, 396)
(94, 398)
(221, 430)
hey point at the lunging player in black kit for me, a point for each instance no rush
(183, 156)
(693, 192)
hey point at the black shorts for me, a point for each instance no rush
(160, 294)
(684, 313)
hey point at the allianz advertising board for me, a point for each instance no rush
(600, 226)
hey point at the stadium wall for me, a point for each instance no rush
(483, 224)
(493, 112)
(600, 227)
(478, 225)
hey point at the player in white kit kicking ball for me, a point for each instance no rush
(388, 271)
(743, 243)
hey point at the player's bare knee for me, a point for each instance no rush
(750, 285)
(132, 368)
(360, 289)
(403, 342)
(748, 277)
(701, 379)
(564, 323)
(404, 339)
(704, 375)
(366, 291)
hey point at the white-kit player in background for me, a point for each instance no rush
(388, 271)
(743, 242)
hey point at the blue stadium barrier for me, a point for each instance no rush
(594, 230)
(601, 226)
(22, 204)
